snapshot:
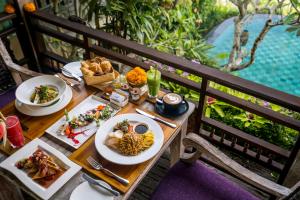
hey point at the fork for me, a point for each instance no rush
(68, 82)
(96, 165)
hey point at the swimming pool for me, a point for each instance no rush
(277, 62)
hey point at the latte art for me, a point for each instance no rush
(172, 98)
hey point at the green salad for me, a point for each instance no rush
(43, 94)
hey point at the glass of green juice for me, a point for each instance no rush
(153, 80)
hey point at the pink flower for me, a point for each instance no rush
(211, 100)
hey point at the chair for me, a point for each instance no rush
(190, 179)
(18, 73)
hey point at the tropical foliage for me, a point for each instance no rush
(161, 25)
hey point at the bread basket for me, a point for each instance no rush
(93, 73)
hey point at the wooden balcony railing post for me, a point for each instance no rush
(38, 42)
(289, 161)
(24, 35)
(201, 103)
(87, 54)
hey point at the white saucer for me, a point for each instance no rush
(86, 191)
(42, 111)
(73, 67)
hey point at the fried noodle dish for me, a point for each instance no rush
(126, 141)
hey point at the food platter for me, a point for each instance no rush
(118, 158)
(44, 192)
(37, 111)
(83, 133)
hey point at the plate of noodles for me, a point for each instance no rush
(129, 139)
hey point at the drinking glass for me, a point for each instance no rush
(153, 80)
(14, 131)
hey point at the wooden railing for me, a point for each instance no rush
(265, 153)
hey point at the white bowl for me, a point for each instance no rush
(25, 90)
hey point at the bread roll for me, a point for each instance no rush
(87, 72)
(106, 66)
(100, 59)
(85, 64)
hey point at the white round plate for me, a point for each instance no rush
(73, 67)
(42, 111)
(86, 191)
(25, 90)
(118, 158)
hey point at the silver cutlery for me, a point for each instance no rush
(96, 165)
(155, 118)
(66, 81)
(98, 183)
(71, 74)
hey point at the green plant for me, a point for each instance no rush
(261, 128)
(249, 119)
(213, 104)
(214, 15)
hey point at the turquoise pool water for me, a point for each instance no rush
(277, 62)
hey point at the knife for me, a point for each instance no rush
(156, 118)
(95, 182)
(71, 74)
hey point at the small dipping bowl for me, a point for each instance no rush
(141, 128)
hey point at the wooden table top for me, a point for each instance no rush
(37, 126)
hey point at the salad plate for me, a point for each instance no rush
(73, 67)
(80, 123)
(28, 170)
(111, 130)
(37, 111)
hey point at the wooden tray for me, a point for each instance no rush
(131, 172)
(8, 150)
(160, 95)
(138, 102)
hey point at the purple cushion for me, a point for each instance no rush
(198, 182)
(7, 97)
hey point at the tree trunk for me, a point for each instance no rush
(236, 41)
(236, 53)
(257, 41)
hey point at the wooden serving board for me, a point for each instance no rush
(8, 150)
(131, 172)
(36, 126)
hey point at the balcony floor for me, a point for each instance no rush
(151, 181)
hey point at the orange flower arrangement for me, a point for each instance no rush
(9, 8)
(29, 7)
(136, 77)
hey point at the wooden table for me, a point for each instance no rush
(37, 126)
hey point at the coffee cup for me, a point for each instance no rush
(172, 101)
